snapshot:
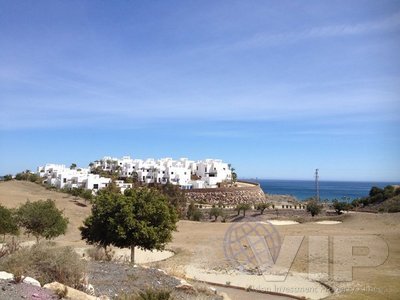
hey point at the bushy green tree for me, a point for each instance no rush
(262, 206)
(216, 212)
(314, 207)
(8, 224)
(340, 206)
(140, 218)
(7, 177)
(87, 195)
(42, 219)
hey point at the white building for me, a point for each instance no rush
(185, 173)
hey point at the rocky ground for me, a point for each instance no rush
(13, 291)
(113, 280)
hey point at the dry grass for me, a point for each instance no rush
(202, 243)
(46, 264)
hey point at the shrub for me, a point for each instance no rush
(9, 248)
(197, 215)
(149, 294)
(8, 224)
(46, 264)
(7, 177)
(101, 253)
(155, 295)
(314, 207)
(193, 213)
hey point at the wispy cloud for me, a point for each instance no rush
(389, 23)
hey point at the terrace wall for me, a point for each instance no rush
(227, 195)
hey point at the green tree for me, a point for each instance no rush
(140, 218)
(87, 195)
(42, 219)
(244, 207)
(76, 191)
(8, 224)
(175, 195)
(262, 206)
(314, 207)
(72, 166)
(216, 212)
(340, 206)
(7, 177)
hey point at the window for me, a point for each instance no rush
(65, 180)
(172, 173)
(95, 186)
(184, 173)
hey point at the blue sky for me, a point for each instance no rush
(277, 88)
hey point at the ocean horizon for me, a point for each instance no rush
(328, 190)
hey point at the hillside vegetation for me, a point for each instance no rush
(381, 200)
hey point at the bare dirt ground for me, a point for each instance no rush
(200, 245)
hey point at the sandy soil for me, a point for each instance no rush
(200, 254)
(281, 222)
(328, 222)
(199, 246)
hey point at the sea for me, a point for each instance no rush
(328, 190)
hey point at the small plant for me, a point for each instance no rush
(9, 247)
(155, 295)
(101, 253)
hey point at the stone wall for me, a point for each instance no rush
(227, 195)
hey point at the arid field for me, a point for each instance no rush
(199, 248)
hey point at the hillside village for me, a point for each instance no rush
(187, 174)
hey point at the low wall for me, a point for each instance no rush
(227, 195)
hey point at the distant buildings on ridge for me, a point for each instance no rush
(188, 174)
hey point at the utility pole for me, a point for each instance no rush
(317, 184)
